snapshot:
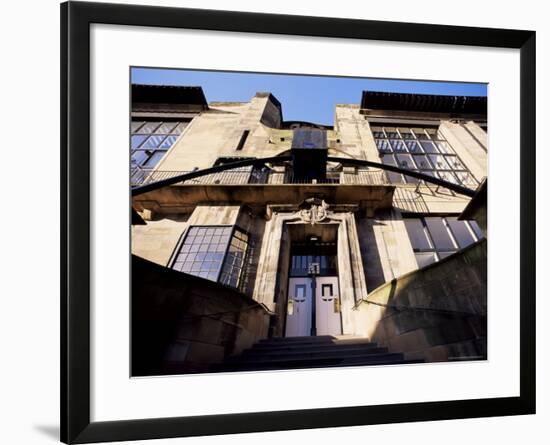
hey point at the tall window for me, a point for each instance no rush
(423, 150)
(434, 238)
(150, 140)
(216, 253)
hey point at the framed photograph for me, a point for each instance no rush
(279, 222)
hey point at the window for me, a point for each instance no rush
(434, 238)
(242, 140)
(216, 253)
(423, 150)
(151, 139)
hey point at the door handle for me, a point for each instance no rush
(337, 305)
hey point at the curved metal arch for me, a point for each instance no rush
(260, 161)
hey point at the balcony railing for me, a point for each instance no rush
(255, 176)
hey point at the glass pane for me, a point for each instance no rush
(428, 146)
(448, 176)
(444, 254)
(383, 145)
(422, 162)
(425, 258)
(405, 161)
(152, 142)
(477, 230)
(439, 163)
(139, 157)
(419, 132)
(461, 232)
(391, 133)
(417, 234)
(444, 147)
(439, 234)
(466, 179)
(398, 145)
(455, 163)
(136, 125)
(413, 146)
(405, 133)
(394, 178)
(432, 132)
(180, 127)
(137, 140)
(165, 127)
(149, 127)
(153, 160)
(168, 142)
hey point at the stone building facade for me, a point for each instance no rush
(319, 242)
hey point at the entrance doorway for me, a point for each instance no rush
(313, 305)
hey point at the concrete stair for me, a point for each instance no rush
(310, 352)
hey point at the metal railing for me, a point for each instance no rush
(246, 175)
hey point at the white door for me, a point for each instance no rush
(298, 315)
(328, 320)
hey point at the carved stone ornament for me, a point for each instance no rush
(314, 211)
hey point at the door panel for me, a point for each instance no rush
(328, 319)
(298, 318)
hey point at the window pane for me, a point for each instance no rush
(153, 141)
(398, 145)
(425, 259)
(428, 146)
(439, 234)
(422, 162)
(413, 146)
(136, 125)
(391, 133)
(395, 178)
(405, 161)
(455, 163)
(139, 157)
(417, 234)
(466, 179)
(149, 127)
(444, 254)
(166, 127)
(180, 127)
(383, 145)
(448, 176)
(153, 160)
(439, 163)
(168, 142)
(461, 232)
(405, 133)
(137, 140)
(477, 230)
(419, 132)
(444, 147)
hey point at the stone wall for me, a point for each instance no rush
(437, 313)
(183, 324)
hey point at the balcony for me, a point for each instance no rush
(276, 176)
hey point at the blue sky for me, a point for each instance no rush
(306, 98)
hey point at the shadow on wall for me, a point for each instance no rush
(438, 313)
(183, 324)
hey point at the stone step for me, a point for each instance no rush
(301, 364)
(318, 338)
(310, 349)
(306, 343)
(315, 355)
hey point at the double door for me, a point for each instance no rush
(301, 308)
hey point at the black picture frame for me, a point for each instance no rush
(76, 17)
